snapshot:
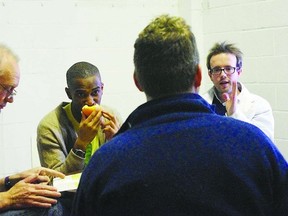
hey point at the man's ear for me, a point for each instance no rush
(102, 87)
(210, 75)
(198, 77)
(68, 93)
(239, 71)
(137, 82)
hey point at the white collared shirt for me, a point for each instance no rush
(251, 108)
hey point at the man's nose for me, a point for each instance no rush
(90, 100)
(223, 72)
(9, 99)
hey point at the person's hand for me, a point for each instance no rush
(44, 174)
(26, 193)
(110, 127)
(88, 129)
(231, 100)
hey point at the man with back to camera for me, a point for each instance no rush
(174, 155)
(27, 192)
(231, 97)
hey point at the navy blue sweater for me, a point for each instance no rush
(175, 156)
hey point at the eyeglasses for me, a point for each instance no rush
(9, 93)
(227, 70)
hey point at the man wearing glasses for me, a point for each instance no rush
(27, 192)
(230, 97)
(9, 91)
(9, 77)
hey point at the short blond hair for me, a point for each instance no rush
(166, 57)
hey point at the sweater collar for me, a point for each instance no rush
(180, 103)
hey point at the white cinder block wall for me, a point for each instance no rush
(49, 36)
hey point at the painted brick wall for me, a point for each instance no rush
(49, 36)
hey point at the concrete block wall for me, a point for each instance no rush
(51, 35)
(260, 29)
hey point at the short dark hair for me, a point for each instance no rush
(81, 70)
(166, 57)
(225, 47)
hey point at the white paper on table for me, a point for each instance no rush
(69, 183)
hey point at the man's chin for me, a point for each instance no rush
(227, 90)
(223, 91)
